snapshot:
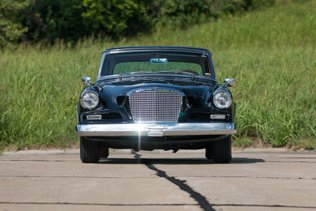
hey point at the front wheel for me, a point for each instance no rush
(104, 151)
(89, 151)
(209, 151)
(222, 152)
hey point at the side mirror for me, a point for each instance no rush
(229, 82)
(86, 80)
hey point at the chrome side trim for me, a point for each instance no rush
(156, 130)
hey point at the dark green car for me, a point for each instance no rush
(158, 97)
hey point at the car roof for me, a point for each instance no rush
(157, 48)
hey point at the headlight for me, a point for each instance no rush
(89, 100)
(222, 99)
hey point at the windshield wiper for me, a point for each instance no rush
(138, 72)
(186, 72)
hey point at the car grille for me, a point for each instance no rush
(155, 105)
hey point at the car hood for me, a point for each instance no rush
(199, 89)
(135, 78)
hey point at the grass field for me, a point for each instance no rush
(271, 53)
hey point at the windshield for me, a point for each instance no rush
(154, 62)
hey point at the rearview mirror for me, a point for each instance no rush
(158, 60)
(229, 82)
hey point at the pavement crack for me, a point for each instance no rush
(266, 205)
(92, 204)
(198, 197)
(72, 177)
(294, 161)
(153, 204)
(119, 177)
(31, 160)
(253, 177)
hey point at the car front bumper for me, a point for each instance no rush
(155, 129)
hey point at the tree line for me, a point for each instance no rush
(71, 20)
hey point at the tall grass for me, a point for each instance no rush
(271, 53)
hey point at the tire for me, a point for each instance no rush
(222, 152)
(104, 151)
(209, 151)
(89, 151)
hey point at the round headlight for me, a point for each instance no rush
(222, 99)
(89, 100)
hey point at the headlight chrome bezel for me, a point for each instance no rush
(222, 95)
(94, 100)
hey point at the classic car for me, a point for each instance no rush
(156, 97)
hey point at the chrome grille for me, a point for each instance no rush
(155, 105)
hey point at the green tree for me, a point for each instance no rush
(48, 20)
(116, 18)
(11, 29)
(70, 20)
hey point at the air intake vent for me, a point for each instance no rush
(155, 105)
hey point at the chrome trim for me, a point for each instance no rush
(77, 113)
(141, 109)
(154, 88)
(229, 82)
(94, 117)
(101, 66)
(86, 80)
(218, 116)
(156, 130)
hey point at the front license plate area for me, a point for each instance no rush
(156, 131)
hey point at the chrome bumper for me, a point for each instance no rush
(156, 129)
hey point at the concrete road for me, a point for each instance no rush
(255, 180)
